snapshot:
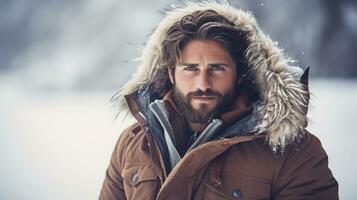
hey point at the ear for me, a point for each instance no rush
(171, 73)
(304, 79)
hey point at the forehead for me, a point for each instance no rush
(209, 49)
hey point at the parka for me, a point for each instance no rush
(265, 152)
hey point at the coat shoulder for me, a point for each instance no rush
(130, 132)
(124, 141)
(305, 172)
(308, 145)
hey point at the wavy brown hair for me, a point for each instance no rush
(204, 25)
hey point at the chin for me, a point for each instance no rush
(206, 105)
(203, 107)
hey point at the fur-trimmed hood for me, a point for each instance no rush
(283, 97)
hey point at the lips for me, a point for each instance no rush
(204, 98)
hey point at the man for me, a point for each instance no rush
(220, 114)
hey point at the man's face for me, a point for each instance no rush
(204, 80)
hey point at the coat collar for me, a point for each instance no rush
(239, 120)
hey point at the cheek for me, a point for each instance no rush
(224, 84)
(184, 83)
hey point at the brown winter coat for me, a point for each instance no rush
(267, 154)
(242, 167)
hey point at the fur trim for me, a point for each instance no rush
(283, 99)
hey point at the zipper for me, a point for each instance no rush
(206, 134)
(192, 139)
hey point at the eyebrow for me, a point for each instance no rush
(186, 64)
(195, 64)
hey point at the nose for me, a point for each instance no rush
(203, 81)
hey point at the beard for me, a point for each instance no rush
(203, 114)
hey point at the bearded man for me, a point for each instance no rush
(220, 114)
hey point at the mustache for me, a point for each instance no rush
(207, 93)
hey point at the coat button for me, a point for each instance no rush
(135, 179)
(237, 193)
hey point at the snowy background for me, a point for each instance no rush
(61, 61)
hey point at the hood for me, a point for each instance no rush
(282, 87)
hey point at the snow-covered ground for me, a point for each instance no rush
(58, 145)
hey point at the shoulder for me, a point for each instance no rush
(126, 136)
(305, 171)
(308, 146)
(126, 139)
(129, 132)
(305, 153)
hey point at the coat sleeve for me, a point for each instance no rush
(113, 187)
(305, 174)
